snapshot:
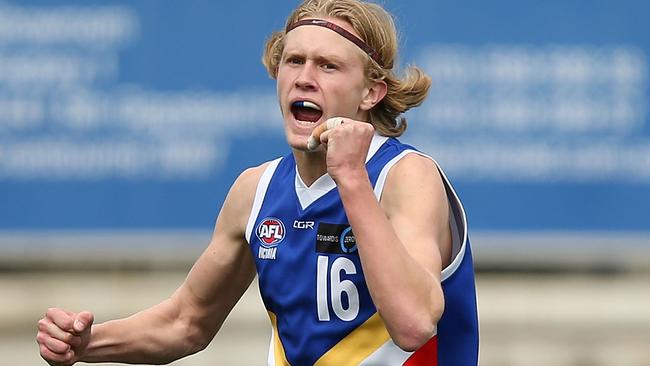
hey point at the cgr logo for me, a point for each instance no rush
(303, 224)
(270, 231)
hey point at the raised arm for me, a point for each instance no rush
(402, 240)
(179, 326)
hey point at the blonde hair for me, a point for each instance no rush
(376, 28)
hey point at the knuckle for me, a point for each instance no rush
(74, 341)
(43, 351)
(68, 356)
(47, 354)
(67, 337)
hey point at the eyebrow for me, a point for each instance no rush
(320, 58)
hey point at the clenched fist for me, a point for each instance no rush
(63, 336)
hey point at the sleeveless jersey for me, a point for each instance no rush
(312, 283)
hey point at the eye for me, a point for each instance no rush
(330, 66)
(294, 60)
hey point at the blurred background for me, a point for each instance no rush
(123, 123)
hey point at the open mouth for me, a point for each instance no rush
(303, 110)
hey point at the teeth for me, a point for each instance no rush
(310, 105)
(306, 104)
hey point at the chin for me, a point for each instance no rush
(297, 142)
(297, 137)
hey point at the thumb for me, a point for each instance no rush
(83, 321)
(314, 139)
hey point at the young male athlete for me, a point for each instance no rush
(359, 241)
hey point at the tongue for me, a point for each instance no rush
(306, 114)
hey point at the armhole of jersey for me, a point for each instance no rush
(457, 217)
(260, 192)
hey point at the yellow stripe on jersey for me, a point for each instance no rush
(358, 345)
(278, 349)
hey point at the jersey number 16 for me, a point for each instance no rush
(330, 277)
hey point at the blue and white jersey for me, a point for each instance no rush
(312, 283)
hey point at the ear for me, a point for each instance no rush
(373, 94)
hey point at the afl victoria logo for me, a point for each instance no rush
(270, 231)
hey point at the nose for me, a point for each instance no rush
(306, 78)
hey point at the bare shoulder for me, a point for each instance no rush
(246, 183)
(414, 163)
(239, 201)
(413, 176)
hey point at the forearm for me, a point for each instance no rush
(389, 267)
(156, 335)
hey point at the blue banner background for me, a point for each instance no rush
(199, 58)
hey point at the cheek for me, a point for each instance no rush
(282, 79)
(279, 81)
(349, 86)
(348, 98)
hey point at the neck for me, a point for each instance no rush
(311, 165)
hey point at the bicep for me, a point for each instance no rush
(212, 288)
(219, 277)
(226, 268)
(416, 205)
